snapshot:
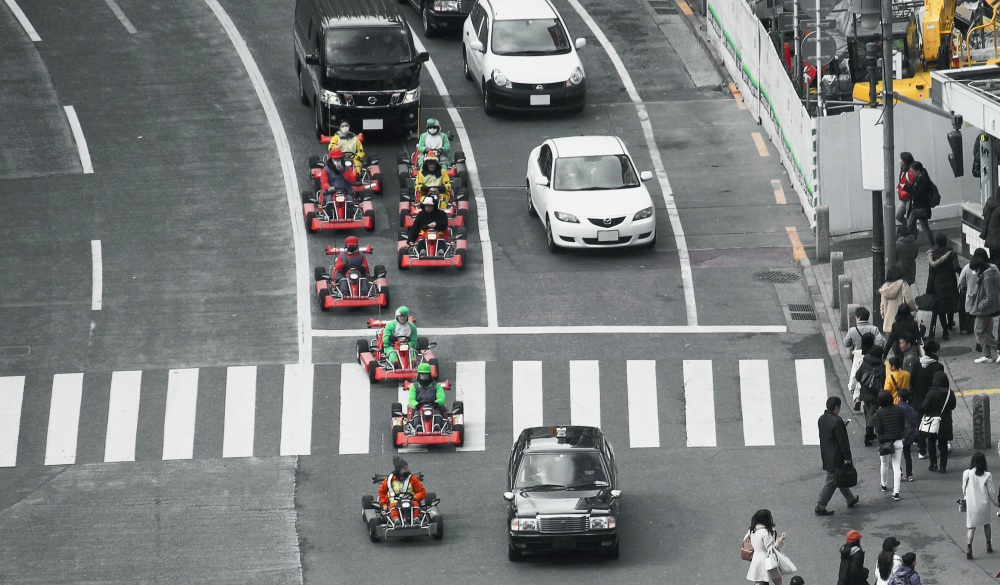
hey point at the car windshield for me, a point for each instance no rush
(594, 173)
(561, 470)
(530, 37)
(368, 46)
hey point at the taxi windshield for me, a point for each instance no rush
(530, 37)
(368, 46)
(594, 173)
(561, 471)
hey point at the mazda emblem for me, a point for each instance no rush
(607, 221)
(372, 100)
(538, 88)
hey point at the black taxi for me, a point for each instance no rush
(562, 492)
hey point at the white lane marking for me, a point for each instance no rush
(97, 276)
(569, 330)
(699, 403)
(654, 155)
(81, 140)
(296, 411)
(526, 399)
(302, 270)
(25, 23)
(64, 419)
(179, 418)
(470, 388)
(477, 189)
(11, 397)
(121, 16)
(403, 397)
(643, 414)
(355, 409)
(241, 404)
(810, 377)
(123, 416)
(755, 397)
(585, 393)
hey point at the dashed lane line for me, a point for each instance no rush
(566, 330)
(779, 191)
(680, 241)
(25, 23)
(97, 276)
(121, 16)
(302, 282)
(758, 141)
(81, 140)
(685, 8)
(798, 250)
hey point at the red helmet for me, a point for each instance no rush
(351, 243)
(336, 153)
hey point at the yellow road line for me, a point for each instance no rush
(974, 392)
(798, 251)
(779, 192)
(685, 8)
(737, 95)
(761, 145)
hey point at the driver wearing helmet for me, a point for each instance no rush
(336, 178)
(431, 175)
(349, 143)
(350, 257)
(433, 139)
(400, 482)
(399, 328)
(426, 391)
(428, 218)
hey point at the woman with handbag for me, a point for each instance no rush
(942, 285)
(765, 565)
(858, 356)
(891, 427)
(895, 292)
(936, 424)
(977, 493)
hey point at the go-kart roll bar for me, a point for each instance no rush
(330, 250)
(380, 477)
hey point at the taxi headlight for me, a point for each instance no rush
(445, 5)
(602, 522)
(567, 217)
(643, 214)
(576, 77)
(524, 525)
(412, 96)
(330, 98)
(500, 79)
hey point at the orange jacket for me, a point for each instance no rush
(415, 487)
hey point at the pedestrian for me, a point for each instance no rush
(985, 306)
(861, 326)
(991, 226)
(765, 541)
(858, 356)
(888, 561)
(896, 378)
(905, 396)
(910, 352)
(906, 574)
(835, 450)
(852, 561)
(942, 285)
(894, 292)
(977, 491)
(921, 381)
(906, 254)
(938, 405)
(891, 427)
(871, 376)
(906, 175)
(904, 326)
(920, 190)
(968, 284)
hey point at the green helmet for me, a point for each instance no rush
(431, 122)
(402, 311)
(424, 368)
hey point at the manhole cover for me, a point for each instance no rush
(954, 350)
(777, 276)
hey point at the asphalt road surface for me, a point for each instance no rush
(174, 407)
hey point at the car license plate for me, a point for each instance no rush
(563, 543)
(607, 236)
(371, 124)
(539, 100)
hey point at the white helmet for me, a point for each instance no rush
(428, 200)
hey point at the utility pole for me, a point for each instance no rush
(889, 144)
(878, 249)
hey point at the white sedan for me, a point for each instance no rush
(587, 194)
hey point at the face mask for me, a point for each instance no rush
(432, 130)
(344, 131)
(424, 380)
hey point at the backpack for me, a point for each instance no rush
(934, 198)
(869, 378)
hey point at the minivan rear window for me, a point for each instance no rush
(529, 37)
(368, 46)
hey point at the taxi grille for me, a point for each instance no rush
(534, 86)
(465, 6)
(562, 524)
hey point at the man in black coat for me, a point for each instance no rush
(835, 449)
(920, 197)
(906, 254)
(920, 383)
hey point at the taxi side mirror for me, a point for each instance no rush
(615, 494)
(645, 175)
(508, 496)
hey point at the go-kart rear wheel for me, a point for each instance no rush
(402, 254)
(434, 363)
(309, 222)
(460, 429)
(307, 195)
(323, 295)
(395, 433)
(422, 343)
(373, 530)
(440, 531)
(403, 214)
(363, 347)
(372, 368)
(370, 214)
(513, 555)
(463, 254)
(319, 273)
(314, 162)
(366, 504)
(377, 178)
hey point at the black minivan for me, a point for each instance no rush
(356, 60)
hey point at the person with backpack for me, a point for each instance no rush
(906, 175)
(871, 376)
(924, 196)
(905, 397)
(906, 574)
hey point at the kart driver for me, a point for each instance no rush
(433, 139)
(428, 218)
(431, 175)
(349, 143)
(336, 177)
(399, 482)
(350, 257)
(426, 391)
(398, 328)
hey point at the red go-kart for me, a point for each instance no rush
(354, 289)
(439, 248)
(337, 211)
(372, 356)
(366, 178)
(427, 425)
(457, 207)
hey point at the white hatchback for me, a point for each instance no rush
(587, 193)
(519, 54)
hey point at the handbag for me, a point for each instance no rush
(846, 476)
(931, 425)
(962, 506)
(785, 564)
(925, 302)
(885, 448)
(746, 551)
(772, 560)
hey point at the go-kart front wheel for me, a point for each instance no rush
(373, 530)
(363, 347)
(396, 429)
(440, 528)
(367, 503)
(460, 429)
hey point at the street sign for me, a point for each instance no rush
(786, 23)
(872, 161)
(826, 46)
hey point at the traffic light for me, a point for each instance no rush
(956, 158)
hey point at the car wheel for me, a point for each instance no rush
(323, 295)
(465, 64)
(396, 429)
(303, 96)
(320, 127)
(440, 531)
(488, 106)
(531, 206)
(309, 222)
(612, 551)
(425, 20)
(373, 530)
(362, 348)
(513, 555)
(550, 241)
(460, 429)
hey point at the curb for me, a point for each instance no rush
(694, 22)
(840, 364)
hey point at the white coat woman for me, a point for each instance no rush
(978, 491)
(764, 540)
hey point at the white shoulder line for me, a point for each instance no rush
(81, 140)
(477, 189)
(25, 23)
(654, 155)
(566, 330)
(302, 287)
(97, 276)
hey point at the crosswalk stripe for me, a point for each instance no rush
(241, 404)
(755, 396)
(64, 419)
(470, 388)
(123, 416)
(699, 403)
(11, 397)
(355, 409)
(403, 398)
(643, 416)
(179, 417)
(526, 398)
(585, 393)
(297, 409)
(810, 379)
